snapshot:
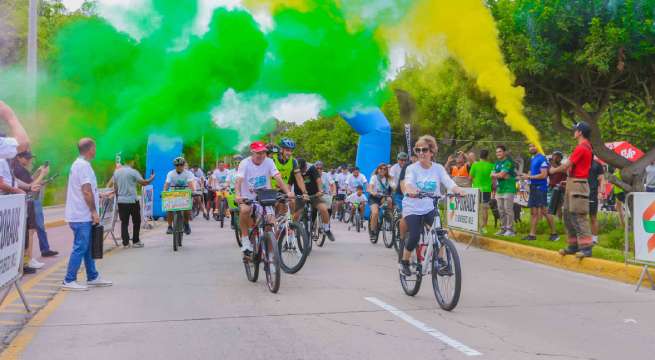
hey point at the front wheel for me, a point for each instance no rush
(221, 213)
(446, 275)
(292, 249)
(358, 222)
(271, 262)
(387, 229)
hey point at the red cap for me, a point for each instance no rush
(258, 146)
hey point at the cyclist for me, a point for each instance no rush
(396, 169)
(219, 182)
(254, 173)
(424, 176)
(199, 193)
(342, 187)
(329, 187)
(356, 179)
(314, 185)
(378, 189)
(288, 167)
(358, 200)
(180, 178)
(272, 150)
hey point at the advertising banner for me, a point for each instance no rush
(12, 237)
(463, 212)
(644, 226)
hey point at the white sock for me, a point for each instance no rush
(594, 239)
(326, 227)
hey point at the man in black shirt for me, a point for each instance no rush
(313, 184)
(595, 180)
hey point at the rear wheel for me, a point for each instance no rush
(358, 222)
(387, 230)
(411, 284)
(252, 265)
(446, 275)
(221, 212)
(271, 262)
(373, 236)
(292, 248)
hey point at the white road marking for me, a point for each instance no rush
(425, 328)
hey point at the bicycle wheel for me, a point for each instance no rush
(291, 249)
(396, 236)
(358, 222)
(235, 225)
(411, 284)
(271, 262)
(252, 265)
(446, 275)
(373, 236)
(177, 230)
(387, 231)
(175, 241)
(321, 236)
(221, 213)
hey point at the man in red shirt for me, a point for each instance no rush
(576, 198)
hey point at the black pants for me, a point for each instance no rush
(415, 225)
(124, 213)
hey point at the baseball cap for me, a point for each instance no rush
(402, 156)
(258, 146)
(583, 127)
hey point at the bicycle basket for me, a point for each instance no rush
(267, 197)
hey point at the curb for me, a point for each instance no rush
(54, 223)
(597, 267)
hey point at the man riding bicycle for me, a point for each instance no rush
(254, 173)
(340, 180)
(314, 185)
(356, 179)
(220, 185)
(424, 176)
(180, 178)
(288, 167)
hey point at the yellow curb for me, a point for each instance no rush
(592, 266)
(54, 223)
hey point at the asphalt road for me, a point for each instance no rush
(346, 303)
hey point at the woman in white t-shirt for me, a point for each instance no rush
(378, 188)
(424, 176)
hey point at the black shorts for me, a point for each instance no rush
(538, 198)
(486, 197)
(340, 197)
(375, 200)
(620, 196)
(556, 200)
(593, 203)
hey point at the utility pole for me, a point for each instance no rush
(202, 152)
(32, 52)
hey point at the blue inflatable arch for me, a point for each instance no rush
(374, 139)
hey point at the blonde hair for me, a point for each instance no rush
(430, 141)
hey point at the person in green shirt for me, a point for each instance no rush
(480, 175)
(505, 175)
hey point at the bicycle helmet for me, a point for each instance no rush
(318, 164)
(272, 149)
(238, 157)
(287, 143)
(179, 161)
(402, 156)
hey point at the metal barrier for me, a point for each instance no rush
(13, 216)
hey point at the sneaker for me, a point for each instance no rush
(98, 282)
(570, 250)
(509, 233)
(594, 239)
(206, 217)
(74, 286)
(529, 238)
(169, 231)
(583, 253)
(49, 253)
(404, 268)
(501, 232)
(35, 264)
(554, 237)
(126, 245)
(28, 270)
(247, 255)
(329, 235)
(137, 245)
(443, 269)
(187, 229)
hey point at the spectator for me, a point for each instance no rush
(538, 199)
(595, 179)
(576, 198)
(505, 175)
(556, 185)
(125, 180)
(619, 197)
(81, 213)
(480, 175)
(458, 168)
(650, 177)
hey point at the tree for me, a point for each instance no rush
(577, 58)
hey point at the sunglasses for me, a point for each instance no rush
(420, 150)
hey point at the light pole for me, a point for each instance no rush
(32, 52)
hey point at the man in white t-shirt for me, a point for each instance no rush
(398, 167)
(81, 214)
(356, 179)
(254, 173)
(219, 183)
(179, 178)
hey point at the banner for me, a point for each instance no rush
(463, 212)
(523, 193)
(408, 137)
(177, 200)
(644, 226)
(147, 200)
(107, 208)
(12, 237)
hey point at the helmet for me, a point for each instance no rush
(318, 164)
(238, 157)
(272, 149)
(179, 161)
(287, 143)
(402, 156)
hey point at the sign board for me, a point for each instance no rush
(644, 226)
(177, 200)
(107, 208)
(523, 193)
(147, 200)
(408, 138)
(13, 213)
(463, 212)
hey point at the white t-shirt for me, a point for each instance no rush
(221, 177)
(76, 209)
(395, 173)
(650, 175)
(354, 198)
(327, 181)
(5, 174)
(428, 181)
(381, 186)
(8, 147)
(231, 178)
(255, 177)
(341, 181)
(181, 180)
(354, 181)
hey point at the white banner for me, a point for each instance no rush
(147, 200)
(644, 226)
(13, 212)
(523, 194)
(463, 212)
(107, 208)
(408, 137)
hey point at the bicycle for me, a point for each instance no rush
(396, 217)
(222, 207)
(262, 236)
(292, 241)
(178, 206)
(436, 255)
(356, 220)
(385, 225)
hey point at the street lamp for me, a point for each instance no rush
(32, 52)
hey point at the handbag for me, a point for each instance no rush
(97, 237)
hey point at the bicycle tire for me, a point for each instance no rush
(453, 264)
(387, 231)
(358, 222)
(284, 247)
(175, 235)
(221, 213)
(373, 237)
(321, 239)
(252, 265)
(271, 262)
(177, 231)
(412, 284)
(237, 228)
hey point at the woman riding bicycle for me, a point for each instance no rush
(424, 176)
(379, 190)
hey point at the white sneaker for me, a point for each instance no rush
(99, 283)
(35, 264)
(509, 233)
(74, 286)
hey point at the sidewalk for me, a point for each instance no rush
(54, 215)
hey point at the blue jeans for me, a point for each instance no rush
(40, 227)
(650, 189)
(81, 250)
